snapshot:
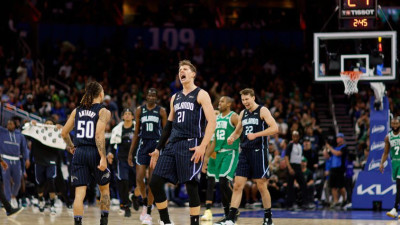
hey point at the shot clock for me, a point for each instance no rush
(357, 14)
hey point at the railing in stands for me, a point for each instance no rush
(64, 86)
(332, 108)
(8, 111)
(40, 69)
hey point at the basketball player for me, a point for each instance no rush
(223, 167)
(149, 119)
(392, 146)
(124, 131)
(253, 159)
(7, 206)
(182, 158)
(45, 159)
(89, 121)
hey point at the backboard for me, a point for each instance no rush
(373, 53)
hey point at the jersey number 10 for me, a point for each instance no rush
(85, 129)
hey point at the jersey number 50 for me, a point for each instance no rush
(85, 130)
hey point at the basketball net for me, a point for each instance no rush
(350, 80)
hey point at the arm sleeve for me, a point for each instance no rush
(288, 150)
(165, 135)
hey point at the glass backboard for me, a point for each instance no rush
(372, 53)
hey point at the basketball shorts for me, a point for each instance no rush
(224, 164)
(174, 162)
(124, 171)
(395, 169)
(336, 178)
(42, 173)
(253, 164)
(146, 146)
(84, 167)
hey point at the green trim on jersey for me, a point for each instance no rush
(223, 130)
(394, 141)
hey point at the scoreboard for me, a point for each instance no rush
(357, 14)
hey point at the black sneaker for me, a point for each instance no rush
(237, 215)
(268, 222)
(127, 211)
(14, 211)
(104, 221)
(135, 202)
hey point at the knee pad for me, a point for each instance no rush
(192, 189)
(157, 188)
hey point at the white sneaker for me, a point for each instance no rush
(114, 201)
(147, 220)
(42, 204)
(392, 213)
(53, 211)
(229, 222)
(14, 203)
(162, 223)
(143, 214)
(207, 216)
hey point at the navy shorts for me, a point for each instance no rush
(124, 171)
(84, 167)
(253, 164)
(145, 147)
(43, 173)
(174, 162)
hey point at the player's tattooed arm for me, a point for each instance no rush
(69, 125)
(104, 117)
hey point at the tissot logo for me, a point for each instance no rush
(375, 189)
(377, 145)
(377, 129)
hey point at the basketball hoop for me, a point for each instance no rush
(350, 80)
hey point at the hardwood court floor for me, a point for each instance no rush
(180, 216)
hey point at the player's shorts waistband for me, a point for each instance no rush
(9, 157)
(226, 150)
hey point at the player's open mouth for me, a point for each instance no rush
(183, 77)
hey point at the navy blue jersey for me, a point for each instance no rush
(252, 123)
(150, 123)
(85, 125)
(189, 121)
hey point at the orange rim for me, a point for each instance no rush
(353, 75)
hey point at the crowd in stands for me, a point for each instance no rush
(127, 74)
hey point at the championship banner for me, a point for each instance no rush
(373, 187)
(48, 135)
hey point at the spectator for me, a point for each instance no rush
(113, 107)
(309, 179)
(310, 155)
(338, 156)
(29, 105)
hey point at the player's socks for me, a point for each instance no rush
(78, 220)
(208, 206)
(194, 220)
(104, 217)
(232, 214)
(149, 209)
(164, 216)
